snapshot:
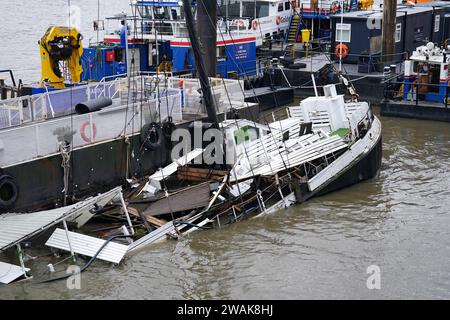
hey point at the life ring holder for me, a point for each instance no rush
(83, 131)
(186, 85)
(341, 51)
(9, 191)
(255, 24)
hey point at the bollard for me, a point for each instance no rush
(3, 91)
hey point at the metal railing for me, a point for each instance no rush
(395, 89)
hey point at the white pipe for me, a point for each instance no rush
(314, 84)
(125, 210)
(68, 239)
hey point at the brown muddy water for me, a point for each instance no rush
(398, 221)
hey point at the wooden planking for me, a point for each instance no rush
(151, 220)
(197, 196)
(200, 174)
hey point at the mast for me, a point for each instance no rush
(388, 29)
(206, 27)
(199, 60)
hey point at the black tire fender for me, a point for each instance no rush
(152, 136)
(9, 192)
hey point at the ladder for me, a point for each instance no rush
(293, 29)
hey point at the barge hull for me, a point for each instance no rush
(420, 111)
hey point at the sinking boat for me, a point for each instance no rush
(68, 144)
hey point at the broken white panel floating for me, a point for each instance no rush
(10, 272)
(158, 234)
(154, 236)
(87, 246)
(17, 227)
(86, 209)
(154, 185)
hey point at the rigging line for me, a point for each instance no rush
(254, 123)
(214, 25)
(71, 159)
(254, 92)
(276, 107)
(157, 64)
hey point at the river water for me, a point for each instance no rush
(399, 222)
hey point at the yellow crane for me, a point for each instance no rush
(61, 49)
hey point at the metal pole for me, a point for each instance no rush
(202, 73)
(207, 33)
(340, 42)
(125, 210)
(68, 240)
(314, 84)
(126, 49)
(22, 264)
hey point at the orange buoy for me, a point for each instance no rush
(341, 51)
(278, 20)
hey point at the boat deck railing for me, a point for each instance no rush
(169, 96)
(415, 91)
(147, 28)
(57, 103)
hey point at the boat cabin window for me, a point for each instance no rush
(155, 12)
(343, 32)
(398, 32)
(437, 20)
(262, 9)
(420, 67)
(145, 12)
(161, 13)
(232, 9)
(229, 8)
(280, 7)
(287, 6)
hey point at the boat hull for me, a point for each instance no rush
(421, 111)
(365, 168)
(93, 169)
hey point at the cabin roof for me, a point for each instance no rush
(370, 14)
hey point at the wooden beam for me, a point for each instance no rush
(388, 29)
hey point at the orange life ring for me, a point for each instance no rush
(240, 23)
(188, 86)
(278, 20)
(341, 51)
(255, 24)
(83, 131)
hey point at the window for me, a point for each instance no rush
(221, 51)
(229, 8)
(280, 7)
(437, 20)
(262, 9)
(287, 6)
(398, 32)
(343, 32)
